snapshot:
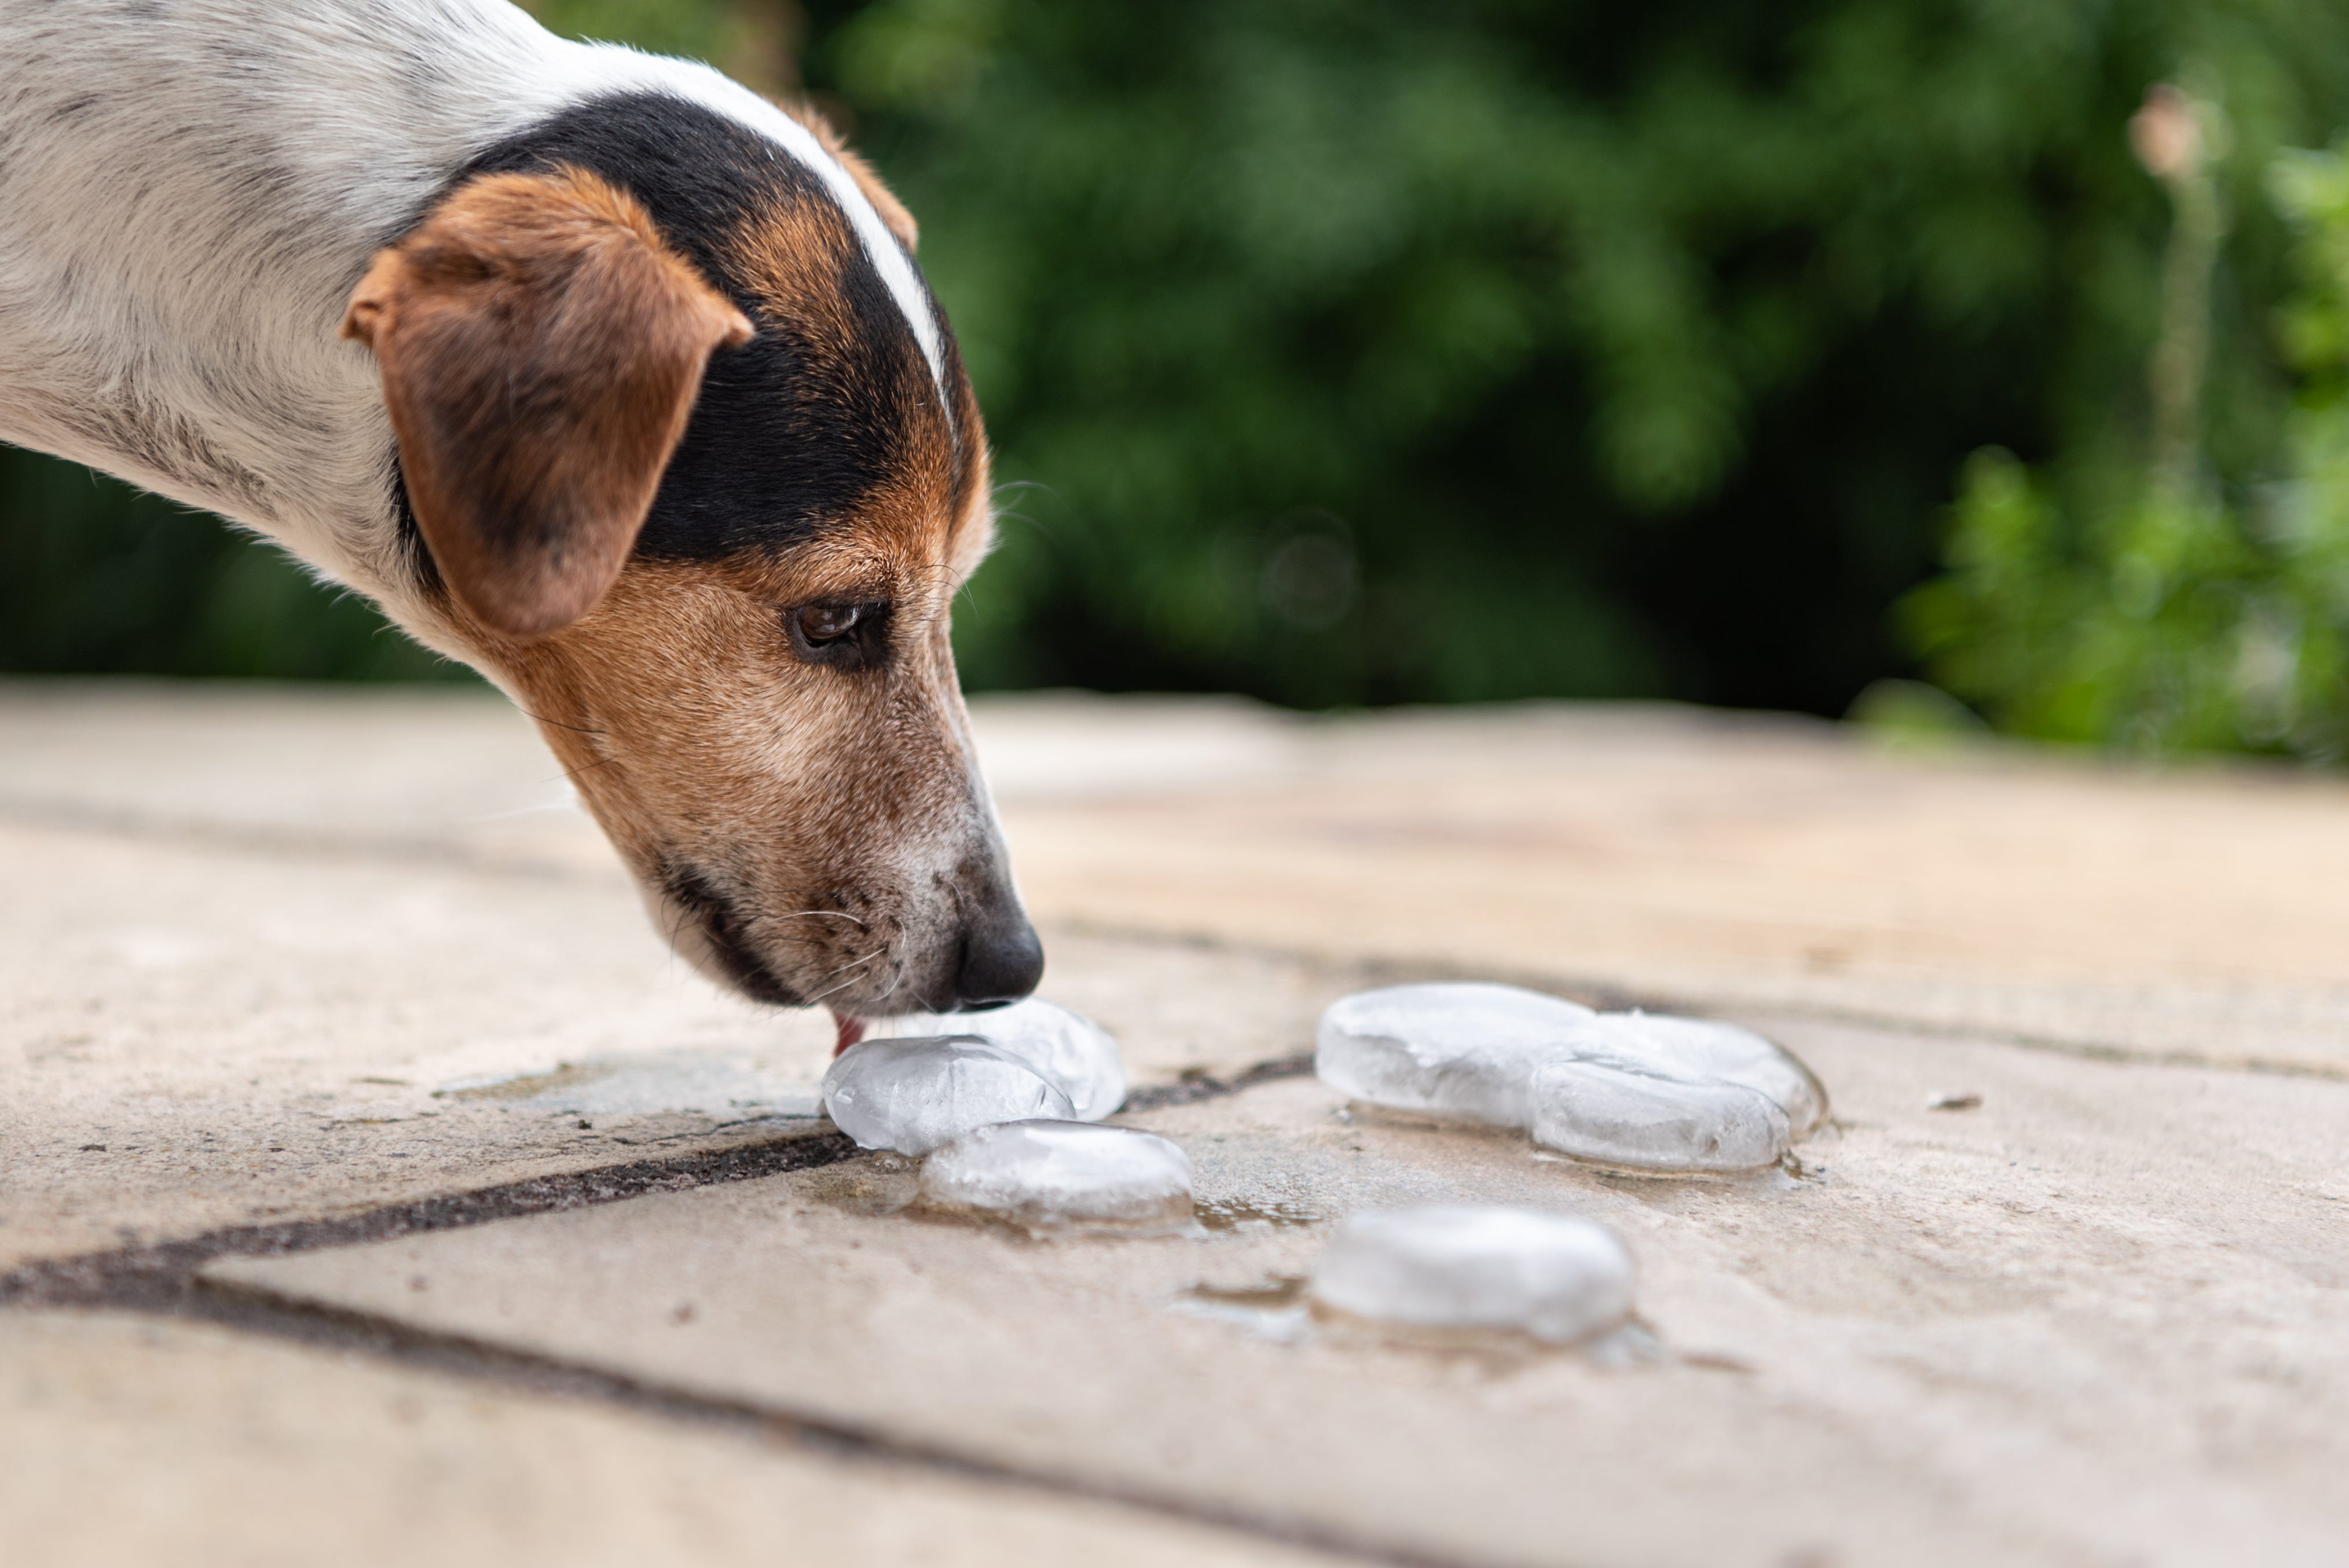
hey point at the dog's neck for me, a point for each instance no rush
(189, 192)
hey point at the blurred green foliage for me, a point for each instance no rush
(98, 578)
(1362, 351)
(2088, 602)
(1376, 351)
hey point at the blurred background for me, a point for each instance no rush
(1905, 358)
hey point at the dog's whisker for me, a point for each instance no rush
(844, 984)
(588, 767)
(852, 963)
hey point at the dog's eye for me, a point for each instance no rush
(823, 623)
(846, 637)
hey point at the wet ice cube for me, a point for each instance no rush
(913, 1094)
(1697, 1050)
(1598, 1111)
(1461, 1051)
(1073, 1051)
(1055, 1173)
(1554, 1278)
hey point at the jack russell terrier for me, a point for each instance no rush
(597, 371)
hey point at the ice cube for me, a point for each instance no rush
(1697, 1049)
(1046, 1174)
(913, 1094)
(1600, 1111)
(1643, 1090)
(1554, 1278)
(1462, 1051)
(1072, 1051)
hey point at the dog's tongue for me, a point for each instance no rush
(850, 1030)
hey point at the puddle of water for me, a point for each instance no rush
(882, 1183)
(1275, 1294)
(1275, 1310)
(709, 1082)
(1227, 1215)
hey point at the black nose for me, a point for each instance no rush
(1002, 961)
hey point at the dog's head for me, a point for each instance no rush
(696, 473)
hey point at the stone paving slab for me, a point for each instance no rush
(405, 773)
(198, 1035)
(201, 1033)
(247, 933)
(2100, 1320)
(1740, 860)
(124, 1440)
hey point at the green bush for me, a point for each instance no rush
(97, 578)
(2109, 601)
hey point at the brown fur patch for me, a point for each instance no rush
(894, 216)
(541, 346)
(791, 258)
(833, 817)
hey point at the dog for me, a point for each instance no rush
(597, 371)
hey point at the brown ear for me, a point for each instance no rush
(540, 346)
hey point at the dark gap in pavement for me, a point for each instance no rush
(152, 1278)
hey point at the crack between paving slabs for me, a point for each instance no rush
(147, 1277)
(162, 1278)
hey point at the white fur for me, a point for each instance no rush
(189, 190)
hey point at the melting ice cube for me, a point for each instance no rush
(1046, 1174)
(1465, 1052)
(1595, 1111)
(1073, 1052)
(1698, 1049)
(913, 1094)
(1636, 1089)
(1554, 1278)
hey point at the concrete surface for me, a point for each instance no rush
(128, 1441)
(1990, 1336)
(1727, 860)
(287, 956)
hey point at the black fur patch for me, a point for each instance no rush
(774, 452)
